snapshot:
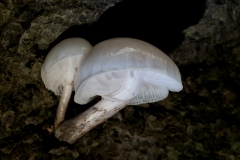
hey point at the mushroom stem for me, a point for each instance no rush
(62, 106)
(71, 130)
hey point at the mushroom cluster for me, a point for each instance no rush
(123, 71)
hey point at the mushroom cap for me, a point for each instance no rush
(62, 62)
(106, 67)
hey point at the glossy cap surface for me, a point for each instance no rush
(117, 63)
(62, 61)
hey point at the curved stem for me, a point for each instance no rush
(63, 103)
(73, 129)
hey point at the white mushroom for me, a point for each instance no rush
(122, 71)
(59, 68)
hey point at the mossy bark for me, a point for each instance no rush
(200, 122)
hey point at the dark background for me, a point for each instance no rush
(157, 22)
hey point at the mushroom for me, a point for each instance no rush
(123, 71)
(59, 68)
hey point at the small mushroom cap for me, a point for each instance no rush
(62, 62)
(111, 65)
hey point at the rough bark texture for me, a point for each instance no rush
(201, 122)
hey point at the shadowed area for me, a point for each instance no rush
(200, 122)
(159, 23)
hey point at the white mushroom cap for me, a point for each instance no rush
(62, 62)
(118, 64)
